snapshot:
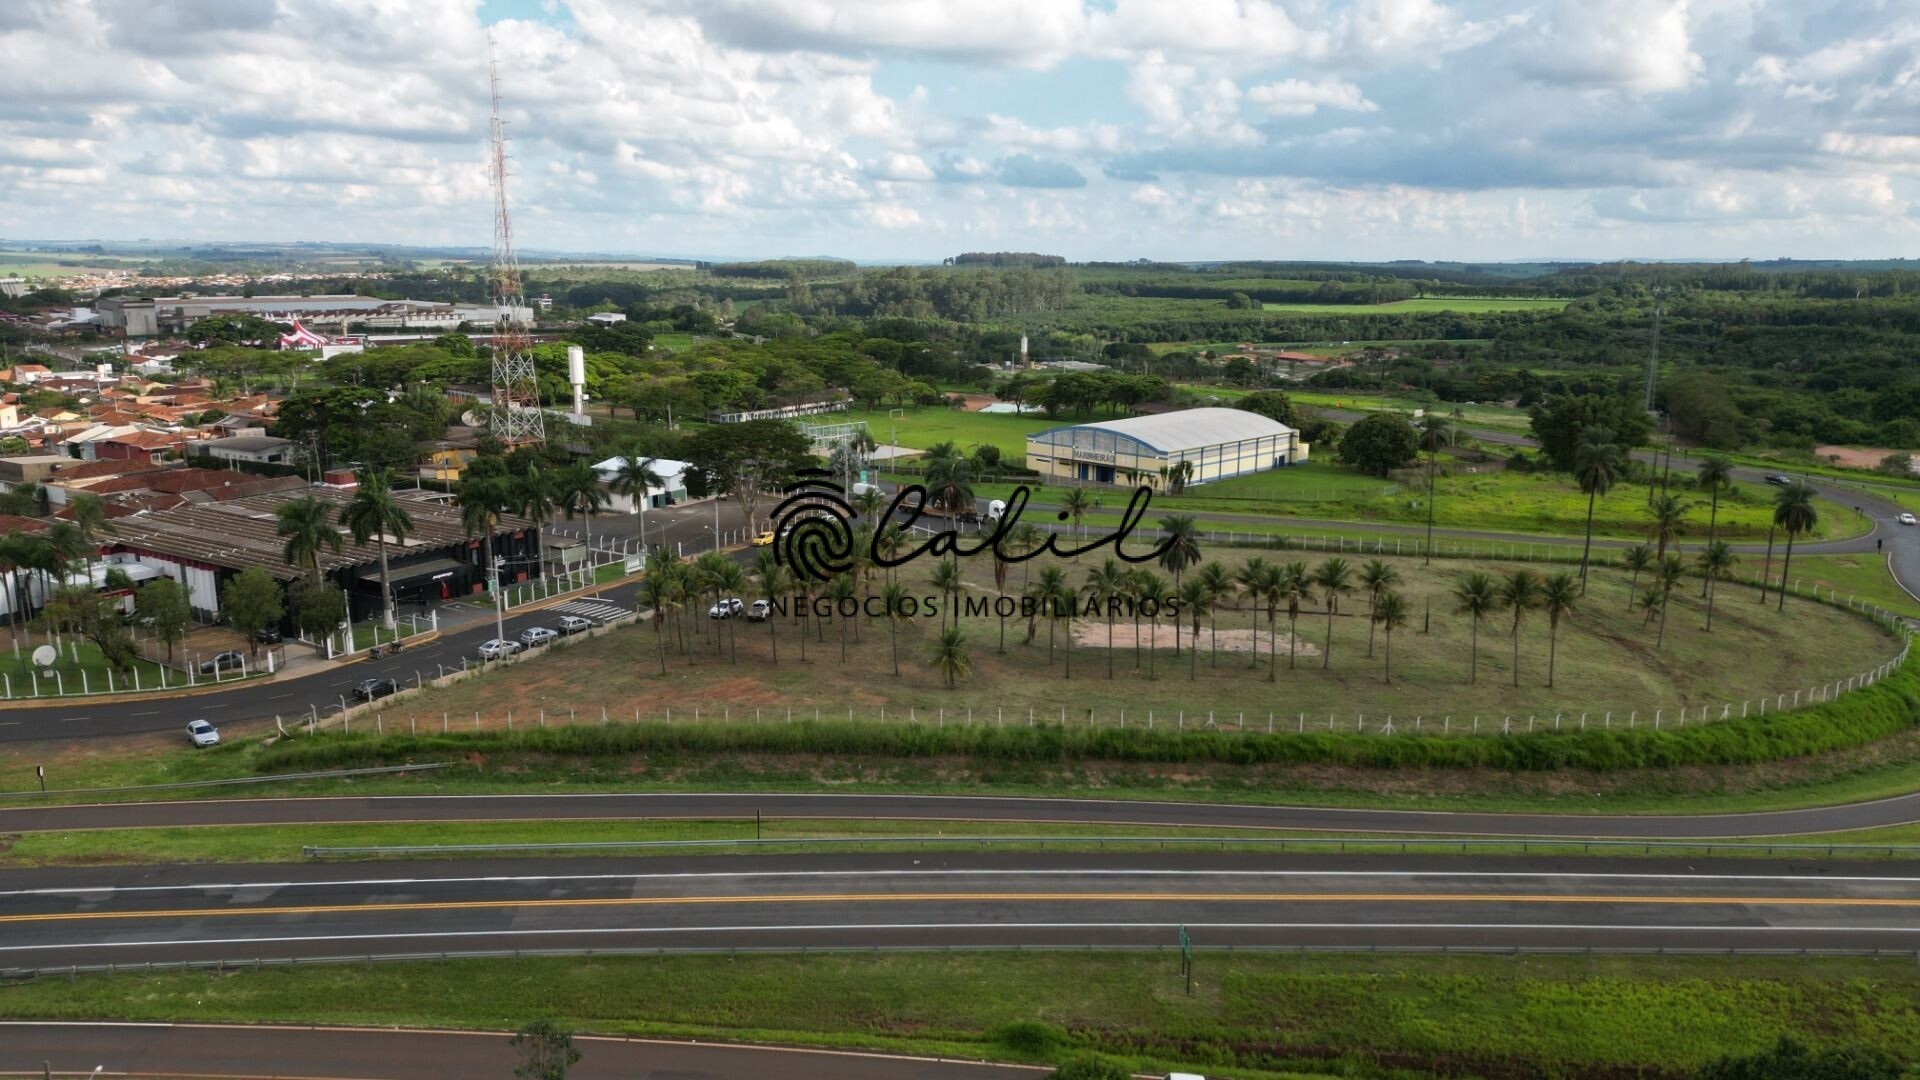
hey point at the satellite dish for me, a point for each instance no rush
(470, 418)
(45, 655)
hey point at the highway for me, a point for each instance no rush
(1898, 810)
(58, 917)
(259, 1052)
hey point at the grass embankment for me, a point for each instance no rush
(1864, 575)
(1252, 1015)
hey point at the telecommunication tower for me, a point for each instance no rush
(515, 418)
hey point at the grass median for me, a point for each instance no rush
(1252, 1015)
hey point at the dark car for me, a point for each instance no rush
(267, 635)
(369, 689)
(225, 661)
(1779, 479)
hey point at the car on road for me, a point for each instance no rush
(535, 636)
(572, 624)
(1907, 519)
(203, 734)
(267, 635)
(498, 648)
(726, 609)
(1779, 479)
(759, 611)
(763, 539)
(369, 689)
(222, 661)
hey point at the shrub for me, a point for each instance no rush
(1090, 1068)
(1030, 1038)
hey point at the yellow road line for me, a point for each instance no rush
(976, 897)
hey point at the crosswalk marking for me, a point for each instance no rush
(597, 610)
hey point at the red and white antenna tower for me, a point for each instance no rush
(515, 417)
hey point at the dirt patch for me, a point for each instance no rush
(1126, 636)
(1856, 457)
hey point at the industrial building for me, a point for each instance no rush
(146, 316)
(1218, 443)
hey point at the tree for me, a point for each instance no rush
(894, 598)
(1716, 562)
(1596, 465)
(89, 517)
(1714, 473)
(1670, 571)
(1249, 579)
(1334, 579)
(841, 589)
(531, 494)
(774, 580)
(1793, 511)
(1272, 404)
(1637, 558)
(307, 525)
(1519, 593)
(1295, 586)
(1475, 596)
(949, 581)
(16, 554)
(1048, 593)
(1667, 514)
(1435, 432)
(1379, 443)
(162, 607)
(636, 475)
(1390, 612)
(1180, 544)
(1106, 584)
(481, 499)
(1218, 585)
(546, 1051)
(949, 478)
(1148, 585)
(1376, 577)
(375, 513)
(251, 601)
(1559, 595)
(318, 608)
(1560, 420)
(577, 489)
(950, 656)
(746, 460)
(1197, 600)
(1077, 503)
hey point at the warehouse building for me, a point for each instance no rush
(1217, 444)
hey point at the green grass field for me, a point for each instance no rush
(1253, 1016)
(923, 426)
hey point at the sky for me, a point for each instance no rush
(916, 129)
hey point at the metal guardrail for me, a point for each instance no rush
(1461, 844)
(375, 770)
(259, 963)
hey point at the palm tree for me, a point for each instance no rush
(1106, 584)
(1668, 513)
(774, 580)
(894, 596)
(375, 512)
(1181, 544)
(53, 555)
(1376, 577)
(533, 497)
(1596, 466)
(1249, 578)
(1793, 510)
(1048, 590)
(1390, 610)
(1637, 558)
(1715, 562)
(1151, 586)
(1296, 588)
(1559, 595)
(1671, 571)
(949, 478)
(1435, 433)
(577, 489)
(1714, 473)
(1334, 578)
(1025, 538)
(1219, 586)
(656, 591)
(89, 517)
(949, 581)
(15, 553)
(1000, 592)
(950, 656)
(1766, 572)
(1065, 606)
(1650, 600)
(1476, 596)
(1198, 599)
(840, 590)
(634, 477)
(1520, 593)
(1076, 503)
(869, 503)
(888, 543)
(307, 525)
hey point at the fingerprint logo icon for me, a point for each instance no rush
(813, 527)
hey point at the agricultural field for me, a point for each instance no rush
(1608, 659)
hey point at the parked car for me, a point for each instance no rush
(763, 539)
(535, 636)
(1779, 479)
(368, 689)
(498, 648)
(572, 624)
(203, 734)
(759, 611)
(1906, 519)
(267, 635)
(726, 609)
(222, 661)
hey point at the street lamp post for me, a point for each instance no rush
(499, 601)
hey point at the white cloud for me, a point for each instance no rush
(1297, 97)
(1637, 46)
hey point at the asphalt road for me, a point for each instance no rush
(1898, 810)
(54, 918)
(231, 1052)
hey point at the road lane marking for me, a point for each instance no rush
(968, 897)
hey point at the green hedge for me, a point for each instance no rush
(1863, 716)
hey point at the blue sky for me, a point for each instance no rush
(913, 129)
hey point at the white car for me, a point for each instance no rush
(1906, 519)
(726, 609)
(203, 734)
(534, 636)
(498, 648)
(573, 624)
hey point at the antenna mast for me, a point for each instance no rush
(1653, 353)
(515, 418)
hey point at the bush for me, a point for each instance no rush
(1789, 1060)
(1090, 1068)
(1030, 1038)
